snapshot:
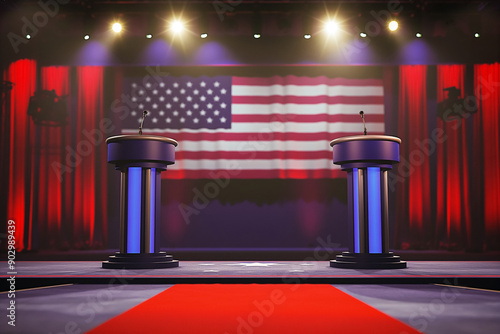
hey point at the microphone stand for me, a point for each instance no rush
(363, 118)
(142, 121)
(362, 113)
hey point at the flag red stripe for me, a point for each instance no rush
(244, 155)
(357, 100)
(304, 81)
(253, 174)
(303, 118)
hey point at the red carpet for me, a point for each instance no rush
(253, 309)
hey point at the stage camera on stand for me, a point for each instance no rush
(454, 107)
(46, 108)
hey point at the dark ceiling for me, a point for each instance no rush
(58, 23)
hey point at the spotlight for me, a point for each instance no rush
(204, 35)
(177, 26)
(362, 34)
(331, 26)
(256, 35)
(28, 36)
(477, 35)
(149, 36)
(307, 36)
(393, 25)
(117, 27)
(418, 35)
(86, 37)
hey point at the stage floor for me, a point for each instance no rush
(485, 274)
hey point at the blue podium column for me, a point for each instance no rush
(140, 159)
(367, 160)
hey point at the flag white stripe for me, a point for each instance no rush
(314, 90)
(256, 164)
(307, 109)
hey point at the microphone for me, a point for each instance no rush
(144, 113)
(362, 113)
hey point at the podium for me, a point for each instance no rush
(367, 159)
(140, 159)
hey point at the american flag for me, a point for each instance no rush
(254, 127)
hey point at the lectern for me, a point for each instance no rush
(367, 160)
(140, 159)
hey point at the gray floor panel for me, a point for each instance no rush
(434, 309)
(72, 308)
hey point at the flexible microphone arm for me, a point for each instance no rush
(142, 121)
(362, 113)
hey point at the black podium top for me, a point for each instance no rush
(366, 151)
(115, 139)
(141, 151)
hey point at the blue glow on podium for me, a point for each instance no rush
(355, 200)
(134, 210)
(152, 212)
(374, 211)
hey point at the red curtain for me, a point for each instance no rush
(58, 186)
(466, 169)
(23, 74)
(486, 163)
(413, 188)
(71, 184)
(453, 217)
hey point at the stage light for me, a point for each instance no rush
(306, 25)
(477, 35)
(149, 36)
(117, 27)
(177, 26)
(28, 36)
(418, 35)
(86, 37)
(393, 25)
(203, 28)
(331, 26)
(256, 24)
(362, 34)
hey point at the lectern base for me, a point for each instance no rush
(140, 261)
(368, 261)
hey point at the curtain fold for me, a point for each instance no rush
(51, 183)
(89, 154)
(453, 217)
(413, 207)
(23, 74)
(486, 162)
